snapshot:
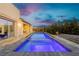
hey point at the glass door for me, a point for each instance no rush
(6, 29)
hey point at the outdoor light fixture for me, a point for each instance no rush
(19, 24)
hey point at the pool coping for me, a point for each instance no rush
(45, 34)
(71, 45)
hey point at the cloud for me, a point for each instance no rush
(48, 21)
(45, 19)
(46, 16)
(30, 8)
(24, 12)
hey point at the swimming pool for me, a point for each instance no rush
(41, 42)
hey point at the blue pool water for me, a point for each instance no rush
(41, 42)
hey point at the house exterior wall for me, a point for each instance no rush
(18, 29)
(10, 13)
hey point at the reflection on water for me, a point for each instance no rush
(41, 42)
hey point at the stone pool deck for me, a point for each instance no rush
(73, 38)
(8, 50)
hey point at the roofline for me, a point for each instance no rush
(6, 18)
(25, 21)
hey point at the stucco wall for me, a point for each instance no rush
(18, 29)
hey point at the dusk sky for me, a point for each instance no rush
(46, 14)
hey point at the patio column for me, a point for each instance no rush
(9, 31)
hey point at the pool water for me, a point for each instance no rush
(41, 42)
